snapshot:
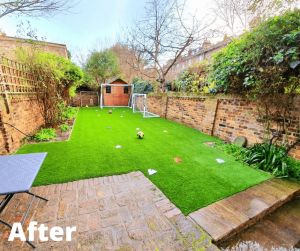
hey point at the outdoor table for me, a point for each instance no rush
(17, 174)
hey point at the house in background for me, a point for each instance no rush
(116, 95)
(196, 55)
(9, 44)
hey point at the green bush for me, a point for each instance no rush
(45, 134)
(65, 127)
(293, 168)
(141, 86)
(192, 79)
(265, 60)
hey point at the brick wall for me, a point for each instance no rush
(87, 98)
(223, 116)
(24, 115)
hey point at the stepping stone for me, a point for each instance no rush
(165, 131)
(118, 146)
(96, 110)
(240, 141)
(113, 108)
(138, 129)
(109, 127)
(123, 111)
(220, 161)
(210, 144)
(151, 171)
(121, 116)
(177, 160)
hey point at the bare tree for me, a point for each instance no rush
(235, 15)
(264, 9)
(164, 33)
(239, 15)
(35, 8)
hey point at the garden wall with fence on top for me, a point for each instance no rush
(223, 116)
(86, 98)
(18, 105)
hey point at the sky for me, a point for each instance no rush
(89, 20)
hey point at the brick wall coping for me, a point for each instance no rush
(188, 95)
(196, 95)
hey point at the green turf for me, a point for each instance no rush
(194, 183)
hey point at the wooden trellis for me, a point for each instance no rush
(15, 79)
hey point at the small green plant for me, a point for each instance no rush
(65, 127)
(230, 149)
(45, 134)
(68, 112)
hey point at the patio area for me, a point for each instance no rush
(123, 212)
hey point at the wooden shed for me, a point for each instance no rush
(116, 92)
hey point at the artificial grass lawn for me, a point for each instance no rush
(192, 184)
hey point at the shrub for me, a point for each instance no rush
(65, 127)
(262, 61)
(45, 134)
(293, 169)
(192, 79)
(141, 86)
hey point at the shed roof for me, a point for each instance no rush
(114, 80)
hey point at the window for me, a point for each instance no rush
(182, 66)
(108, 89)
(126, 89)
(190, 62)
(177, 67)
(200, 57)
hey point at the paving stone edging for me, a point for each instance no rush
(226, 218)
(120, 212)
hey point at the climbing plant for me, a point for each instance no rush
(56, 81)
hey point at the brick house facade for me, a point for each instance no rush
(196, 55)
(9, 44)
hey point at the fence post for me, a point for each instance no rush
(3, 87)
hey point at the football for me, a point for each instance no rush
(140, 135)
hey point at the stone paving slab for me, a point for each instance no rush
(121, 212)
(281, 229)
(226, 218)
